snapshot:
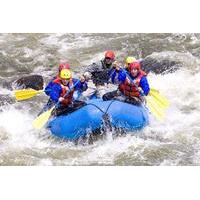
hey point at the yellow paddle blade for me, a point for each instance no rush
(159, 103)
(163, 100)
(42, 119)
(155, 110)
(26, 94)
(155, 90)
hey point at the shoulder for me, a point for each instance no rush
(121, 75)
(144, 80)
(56, 85)
(96, 64)
(93, 67)
(51, 83)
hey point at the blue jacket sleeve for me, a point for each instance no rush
(144, 85)
(111, 72)
(53, 90)
(80, 86)
(48, 88)
(117, 76)
(121, 76)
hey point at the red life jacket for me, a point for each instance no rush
(69, 97)
(129, 89)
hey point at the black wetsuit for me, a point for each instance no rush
(99, 72)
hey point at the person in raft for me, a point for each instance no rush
(63, 65)
(99, 72)
(59, 87)
(128, 61)
(133, 84)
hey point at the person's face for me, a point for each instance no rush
(65, 81)
(108, 61)
(134, 72)
(128, 65)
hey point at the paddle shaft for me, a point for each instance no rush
(70, 89)
(42, 119)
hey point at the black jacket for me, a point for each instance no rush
(99, 72)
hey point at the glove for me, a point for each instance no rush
(82, 79)
(61, 99)
(141, 91)
(87, 76)
(116, 65)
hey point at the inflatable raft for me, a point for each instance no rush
(91, 117)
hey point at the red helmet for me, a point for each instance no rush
(110, 54)
(64, 66)
(135, 65)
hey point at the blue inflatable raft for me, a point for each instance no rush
(90, 118)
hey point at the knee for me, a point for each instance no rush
(105, 97)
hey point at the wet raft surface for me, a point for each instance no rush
(97, 114)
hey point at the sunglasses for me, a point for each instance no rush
(107, 58)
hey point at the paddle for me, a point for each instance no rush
(24, 94)
(42, 119)
(155, 103)
(159, 98)
(158, 113)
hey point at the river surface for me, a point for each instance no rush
(175, 141)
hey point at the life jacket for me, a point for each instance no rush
(129, 89)
(69, 97)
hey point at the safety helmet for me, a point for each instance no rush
(135, 65)
(65, 74)
(110, 54)
(64, 65)
(129, 60)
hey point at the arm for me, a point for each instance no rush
(144, 85)
(55, 92)
(81, 86)
(112, 75)
(48, 88)
(117, 73)
(119, 76)
(97, 73)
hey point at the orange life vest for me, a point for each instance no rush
(129, 89)
(69, 97)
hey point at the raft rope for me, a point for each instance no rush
(109, 106)
(91, 104)
(100, 108)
